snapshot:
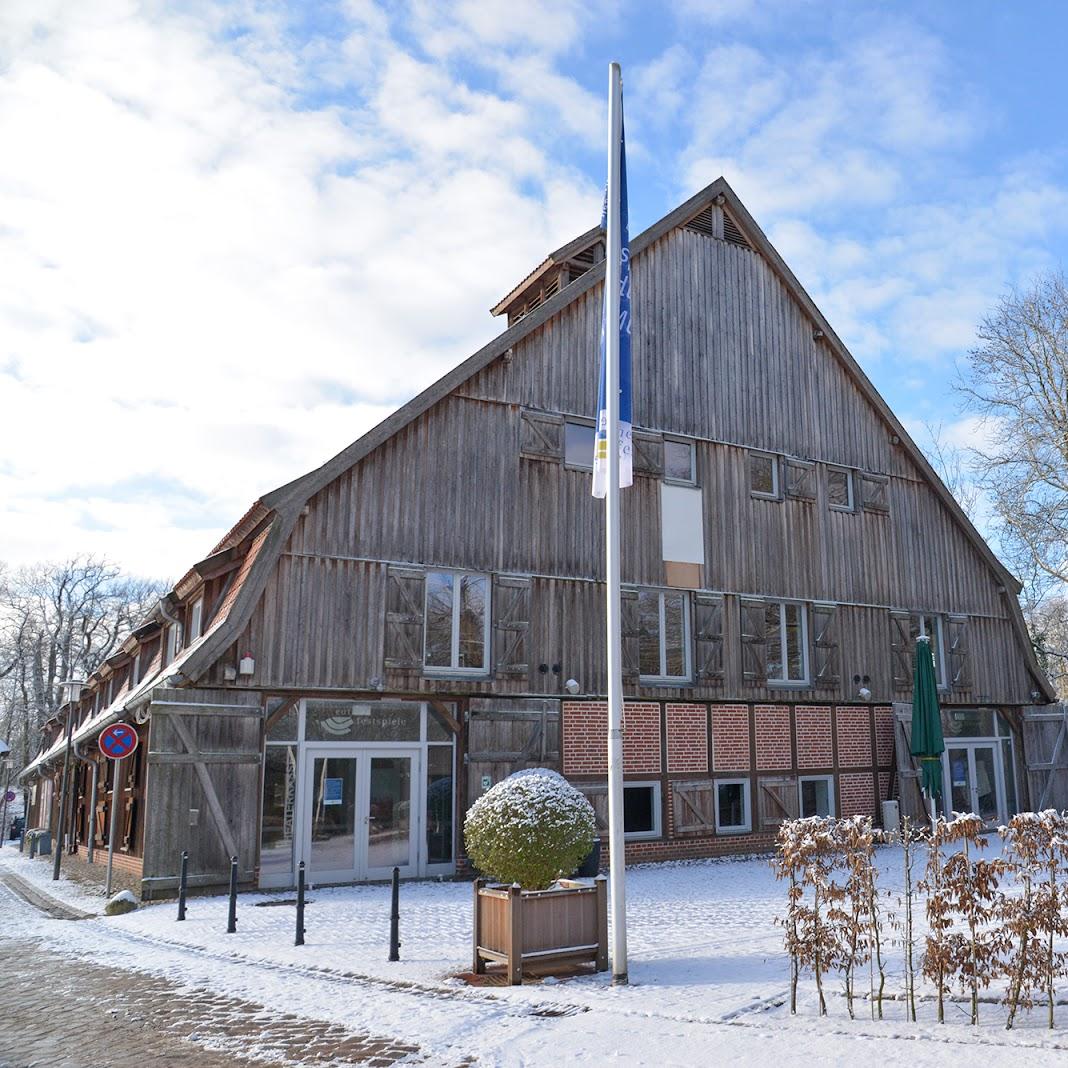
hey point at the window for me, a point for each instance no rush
(732, 806)
(663, 635)
(196, 619)
(922, 623)
(840, 489)
(641, 809)
(786, 628)
(457, 622)
(578, 445)
(135, 669)
(679, 462)
(816, 795)
(174, 641)
(764, 475)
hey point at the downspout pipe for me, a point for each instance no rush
(91, 801)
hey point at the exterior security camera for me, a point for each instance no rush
(864, 693)
(572, 686)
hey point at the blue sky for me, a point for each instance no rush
(233, 236)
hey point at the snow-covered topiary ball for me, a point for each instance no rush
(531, 828)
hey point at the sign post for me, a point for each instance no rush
(116, 742)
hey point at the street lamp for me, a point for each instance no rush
(72, 690)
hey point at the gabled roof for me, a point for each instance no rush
(561, 255)
(287, 500)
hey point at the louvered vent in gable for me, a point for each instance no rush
(552, 288)
(732, 234)
(706, 222)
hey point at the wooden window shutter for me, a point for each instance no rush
(957, 652)
(754, 642)
(541, 435)
(826, 672)
(405, 588)
(708, 630)
(777, 801)
(694, 806)
(511, 625)
(875, 492)
(901, 650)
(800, 480)
(648, 456)
(631, 632)
(597, 796)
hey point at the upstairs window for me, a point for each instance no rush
(764, 475)
(679, 462)
(664, 636)
(840, 489)
(174, 641)
(786, 628)
(457, 623)
(196, 619)
(578, 445)
(930, 625)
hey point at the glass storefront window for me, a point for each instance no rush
(279, 809)
(968, 722)
(439, 804)
(360, 721)
(286, 727)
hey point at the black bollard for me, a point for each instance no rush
(33, 847)
(231, 921)
(394, 918)
(183, 876)
(299, 940)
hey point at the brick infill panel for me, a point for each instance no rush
(585, 745)
(884, 736)
(854, 737)
(773, 744)
(687, 738)
(730, 737)
(858, 794)
(814, 746)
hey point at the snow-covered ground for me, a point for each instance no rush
(708, 975)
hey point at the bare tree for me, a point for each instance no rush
(1018, 381)
(951, 464)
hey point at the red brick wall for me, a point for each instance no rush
(730, 737)
(858, 794)
(687, 738)
(814, 736)
(121, 861)
(773, 749)
(854, 737)
(884, 735)
(585, 745)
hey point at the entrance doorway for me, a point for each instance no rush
(974, 780)
(360, 808)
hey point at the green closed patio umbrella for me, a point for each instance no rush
(928, 743)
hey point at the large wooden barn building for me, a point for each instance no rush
(374, 644)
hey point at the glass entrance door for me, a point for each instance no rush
(973, 781)
(359, 814)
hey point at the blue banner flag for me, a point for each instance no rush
(600, 447)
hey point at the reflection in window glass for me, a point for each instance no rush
(438, 619)
(279, 801)
(578, 445)
(457, 615)
(439, 804)
(678, 461)
(785, 630)
(362, 721)
(816, 797)
(730, 806)
(663, 640)
(840, 488)
(286, 727)
(763, 474)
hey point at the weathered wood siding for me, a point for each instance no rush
(723, 355)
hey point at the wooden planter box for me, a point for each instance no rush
(565, 925)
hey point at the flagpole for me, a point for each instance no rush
(613, 257)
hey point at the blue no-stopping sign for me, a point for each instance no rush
(117, 741)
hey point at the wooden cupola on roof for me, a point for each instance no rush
(557, 270)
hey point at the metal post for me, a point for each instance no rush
(91, 849)
(299, 939)
(61, 819)
(33, 847)
(183, 875)
(3, 811)
(613, 256)
(231, 920)
(394, 918)
(113, 831)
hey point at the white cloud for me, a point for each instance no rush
(216, 271)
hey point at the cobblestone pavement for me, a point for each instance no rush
(60, 1012)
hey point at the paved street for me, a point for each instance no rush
(66, 1013)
